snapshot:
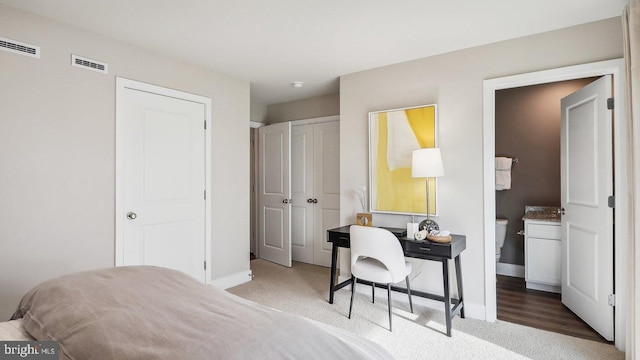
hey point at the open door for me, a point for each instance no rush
(586, 150)
(274, 199)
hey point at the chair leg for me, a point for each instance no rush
(389, 301)
(353, 287)
(409, 293)
(373, 292)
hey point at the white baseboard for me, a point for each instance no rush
(510, 270)
(544, 287)
(232, 280)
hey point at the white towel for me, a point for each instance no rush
(503, 173)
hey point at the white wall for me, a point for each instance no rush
(454, 82)
(258, 112)
(57, 153)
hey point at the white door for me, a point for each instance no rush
(587, 224)
(302, 169)
(274, 232)
(163, 181)
(326, 188)
(315, 190)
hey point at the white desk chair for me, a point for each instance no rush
(377, 256)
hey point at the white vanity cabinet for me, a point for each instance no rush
(543, 254)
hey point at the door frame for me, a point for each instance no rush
(121, 85)
(253, 237)
(616, 68)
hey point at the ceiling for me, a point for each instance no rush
(272, 43)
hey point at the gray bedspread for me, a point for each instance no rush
(147, 312)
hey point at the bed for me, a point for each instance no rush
(145, 312)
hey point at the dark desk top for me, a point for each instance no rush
(412, 247)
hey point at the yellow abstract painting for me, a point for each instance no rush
(393, 135)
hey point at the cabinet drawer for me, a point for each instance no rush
(427, 248)
(339, 238)
(550, 231)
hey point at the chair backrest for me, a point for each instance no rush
(379, 244)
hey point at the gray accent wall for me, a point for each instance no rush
(57, 153)
(528, 127)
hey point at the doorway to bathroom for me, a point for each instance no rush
(492, 89)
(527, 145)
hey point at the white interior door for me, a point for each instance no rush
(587, 223)
(163, 181)
(302, 208)
(274, 230)
(326, 188)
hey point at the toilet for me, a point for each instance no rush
(501, 234)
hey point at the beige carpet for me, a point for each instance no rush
(303, 290)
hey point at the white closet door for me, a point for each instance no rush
(302, 167)
(326, 183)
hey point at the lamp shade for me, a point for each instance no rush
(426, 163)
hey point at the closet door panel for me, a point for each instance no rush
(326, 187)
(302, 211)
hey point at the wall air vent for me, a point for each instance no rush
(18, 47)
(88, 64)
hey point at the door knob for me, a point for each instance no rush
(315, 201)
(285, 201)
(131, 216)
(561, 211)
(310, 201)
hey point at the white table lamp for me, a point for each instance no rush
(427, 163)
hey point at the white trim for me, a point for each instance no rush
(614, 67)
(255, 124)
(544, 287)
(512, 270)
(232, 280)
(121, 84)
(315, 120)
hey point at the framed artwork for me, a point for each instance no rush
(393, 135)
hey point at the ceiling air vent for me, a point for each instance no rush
(88, 64)
(18, 47)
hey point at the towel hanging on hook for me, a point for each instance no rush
(503, 172)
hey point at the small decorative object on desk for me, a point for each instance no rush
(420, 235)
(412, 229)
(439, 236)
(428, 225)
(363, 218)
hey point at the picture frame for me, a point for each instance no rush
(393, 135)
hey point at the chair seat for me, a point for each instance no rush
(373, 270)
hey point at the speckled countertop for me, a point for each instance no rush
(541, 213)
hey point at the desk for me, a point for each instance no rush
(428, 250)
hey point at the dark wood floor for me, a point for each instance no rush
(539, 309)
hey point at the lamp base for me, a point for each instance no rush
(428, 225)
